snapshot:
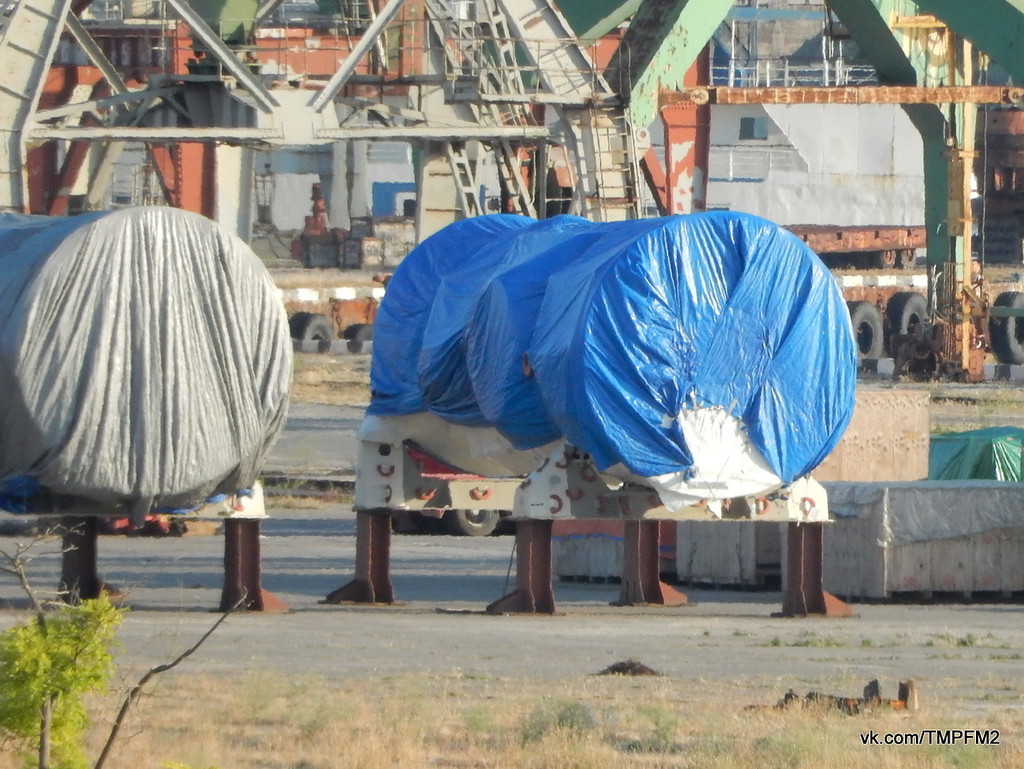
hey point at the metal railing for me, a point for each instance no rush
(783, 73)
(752, 164)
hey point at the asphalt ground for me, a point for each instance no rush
(966, 658)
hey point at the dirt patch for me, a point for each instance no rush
(629, 668)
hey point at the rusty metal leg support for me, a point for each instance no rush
(372, 583)
(79, 578)
(242, 573)
(803, 594)
(533, 594)
(641, 568)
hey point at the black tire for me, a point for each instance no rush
(906, 312)
(426, 524)
(297, 322)
(1007, 334)
(867, 329)
(358, 332)
(311, 327)
(471, 523)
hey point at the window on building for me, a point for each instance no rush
(753, 128)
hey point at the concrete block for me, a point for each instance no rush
(887, 439)
(343, 292)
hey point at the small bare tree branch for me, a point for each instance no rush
(136, 691)
(17, 565)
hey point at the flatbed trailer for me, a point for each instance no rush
(863, 247)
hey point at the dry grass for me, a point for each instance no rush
(959, 407)
(323, 278)
(336, 380)
(450, 720)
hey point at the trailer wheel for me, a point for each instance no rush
(312, 327)
(906, 312)
(1007, 334)
(471, 523)
(885, 260)
(867, 328)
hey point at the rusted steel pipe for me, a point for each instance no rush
(79, 579)
(533, 594)
(242, 571)
(803, 594)
(641, 568)
(372, 583)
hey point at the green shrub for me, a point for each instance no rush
(50, 663)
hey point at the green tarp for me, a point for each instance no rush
(991, 453)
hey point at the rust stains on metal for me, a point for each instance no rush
(845, 95)
(826, 238)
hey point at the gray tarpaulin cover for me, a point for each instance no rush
(921, 511)
(144, 358)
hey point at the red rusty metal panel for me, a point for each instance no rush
(835, 238)
(978, 94)
(687, 147)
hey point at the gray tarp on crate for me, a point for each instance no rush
(921, 511)
(144, 357)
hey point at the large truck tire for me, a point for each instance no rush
(867, 329)
(1007, 334)
(906, 311)
(311, 327)
(471, 523)
(358, 334)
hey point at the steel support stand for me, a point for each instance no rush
(641, 568)
(79, 579)
(533, 594)
(242, 573)
(803, 595)
(372, 583)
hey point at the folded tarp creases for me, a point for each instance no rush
(611, 334)
(144, 357)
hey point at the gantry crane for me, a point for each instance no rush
(522, 79)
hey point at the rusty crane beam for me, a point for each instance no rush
(891, 94)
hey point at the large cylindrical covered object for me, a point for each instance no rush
(145, 358)
(710, 355)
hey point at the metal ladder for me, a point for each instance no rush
(594, 124)
(465, 176)
(28, 38)
(466, 52)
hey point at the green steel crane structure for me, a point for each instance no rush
(914, 44)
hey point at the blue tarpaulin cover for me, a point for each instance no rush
(607, 334)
